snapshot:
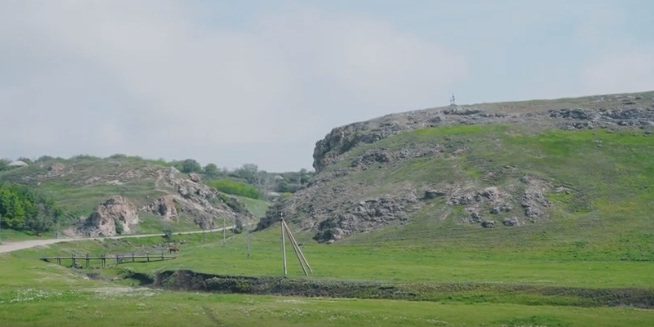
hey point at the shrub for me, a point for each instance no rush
(119, 227)
(236, 188)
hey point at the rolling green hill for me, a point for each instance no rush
(154, 191)
(493, 178)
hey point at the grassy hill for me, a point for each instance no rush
(537, 184)
(605, 210)
(79, 184)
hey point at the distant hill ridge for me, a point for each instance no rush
(601, 111)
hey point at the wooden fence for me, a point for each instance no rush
(103, 259)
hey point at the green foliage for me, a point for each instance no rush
(248, 172)
(168, 235)
(211, 170)
(257, 207)
(236, 188)
(119, 227)
(24, 209)
(4, 164)
(189, 166)
(39, 223)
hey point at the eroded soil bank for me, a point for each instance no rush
(187, 280)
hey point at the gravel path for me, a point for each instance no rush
(7, 247)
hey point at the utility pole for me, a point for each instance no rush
(298, 251)
(281, 224)
(304, 264)
(249, 245)
(224, 231)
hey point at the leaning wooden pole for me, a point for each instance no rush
(298, 251)
(283, 245)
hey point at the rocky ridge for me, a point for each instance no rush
(183, 197)
(338, 204)
(120, 191)
(612, 111)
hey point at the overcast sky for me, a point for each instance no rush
(233, 82)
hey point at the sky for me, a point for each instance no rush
(235, 82)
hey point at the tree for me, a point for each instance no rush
(190, 166)
(39, 223)
(12, 209)
(23, 209)
(4, 164)
(248, 172)
(211, 170)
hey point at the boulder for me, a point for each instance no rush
(488, 224)
(475, 217)
(511, 222)
(432, 194)
(195, 177)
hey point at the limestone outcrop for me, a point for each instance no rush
(115, 216)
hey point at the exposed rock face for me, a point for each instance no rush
(533, 200)
(164, 207)
(381, 157)
(56, 169)
(115, 216)
(190, 198)
(365, 216)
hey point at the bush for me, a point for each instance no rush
(191, 166)
(211, 170)
(236, 188)
(119, 227)
(23, 209)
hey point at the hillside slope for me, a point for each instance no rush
(104, 197)
(572, 170)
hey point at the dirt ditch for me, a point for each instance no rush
(186, 280)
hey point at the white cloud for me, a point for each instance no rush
(102, 77)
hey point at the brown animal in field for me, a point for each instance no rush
(173, 248)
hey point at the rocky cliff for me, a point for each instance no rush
(605, 111)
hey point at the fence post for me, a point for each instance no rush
(74, 262)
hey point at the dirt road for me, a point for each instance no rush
(7, 247)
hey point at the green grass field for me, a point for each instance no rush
(33, 292)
